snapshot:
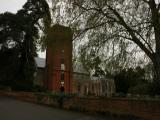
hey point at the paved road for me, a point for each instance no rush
(11, 109)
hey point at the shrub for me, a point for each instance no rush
(141, 89)
(60, 97)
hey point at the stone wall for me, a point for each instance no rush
(147, 109)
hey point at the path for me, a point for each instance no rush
(11, 109)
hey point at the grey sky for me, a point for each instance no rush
(11, 5)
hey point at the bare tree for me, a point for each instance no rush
(120, 21)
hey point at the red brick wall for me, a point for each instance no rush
(148, 109)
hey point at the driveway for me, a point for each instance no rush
(11, 109)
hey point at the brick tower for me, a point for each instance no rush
(59, 59)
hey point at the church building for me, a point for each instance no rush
(56, 72)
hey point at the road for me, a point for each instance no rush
(11, 109)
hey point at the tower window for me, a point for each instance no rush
(62, 76)
(62, 66)
(62, 60)
(62, 51)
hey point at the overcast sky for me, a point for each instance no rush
(11, 5)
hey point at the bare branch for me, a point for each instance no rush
(131, 32)
(146, 1)
(89, 28)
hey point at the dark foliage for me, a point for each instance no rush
(18, 35)
(154, 88)
(129, 79)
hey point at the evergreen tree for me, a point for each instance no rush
(18, 37)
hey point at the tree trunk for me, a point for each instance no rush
(156, 63)
(156, 26)
(155, 86)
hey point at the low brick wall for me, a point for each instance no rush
(39, 98)
(26, 96)
(147, 109)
